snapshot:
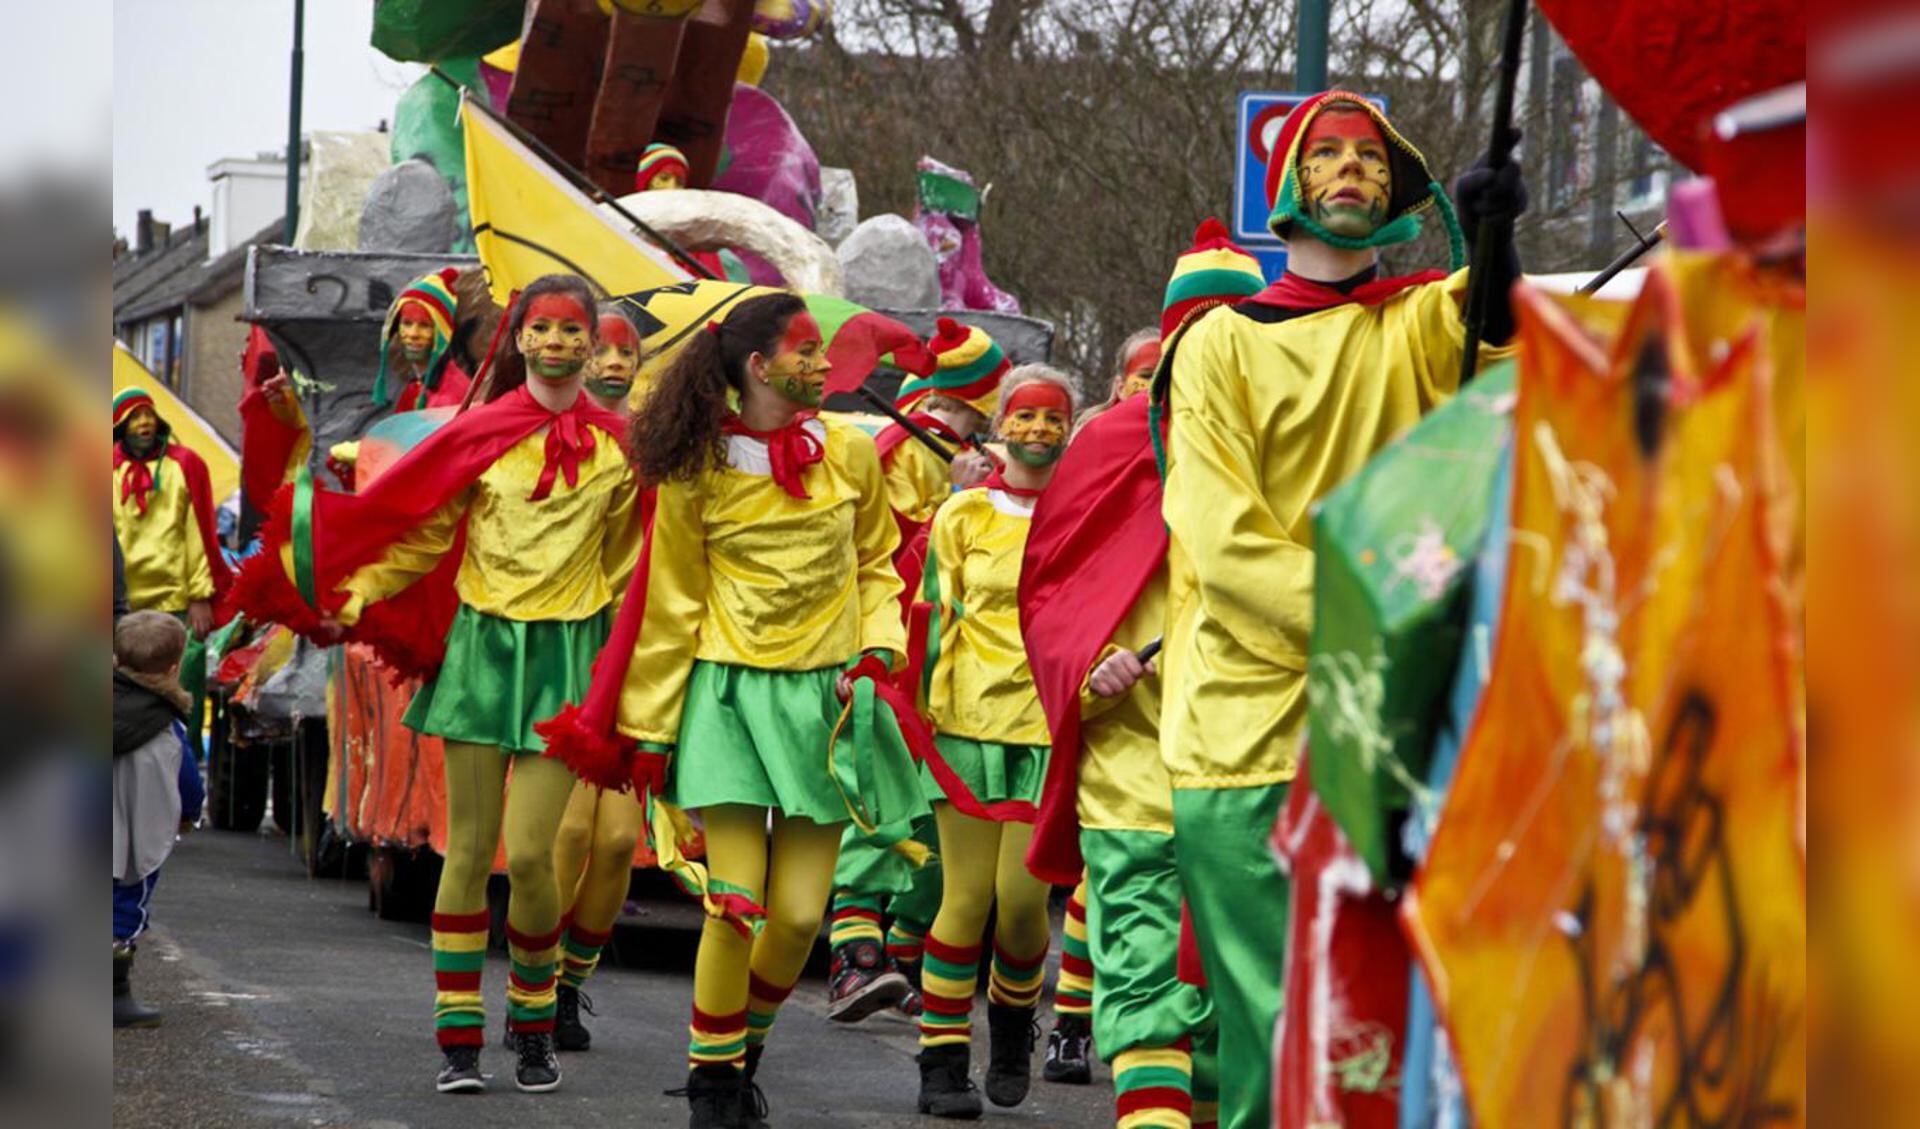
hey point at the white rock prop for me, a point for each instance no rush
(839, 211)
(701, 220)
(886, 263)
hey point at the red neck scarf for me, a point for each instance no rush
(1291, 292)
(568, 441)
(791, 449)
(137, 483)
(998, 481)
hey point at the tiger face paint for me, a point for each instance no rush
(798, 368)
(1035, 424)
(556, 337)
(415, 333)
(1346, 177)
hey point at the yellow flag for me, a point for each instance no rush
(528, 220)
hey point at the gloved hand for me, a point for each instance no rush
(650, 770)
(1483, 193)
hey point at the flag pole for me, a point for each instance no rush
(1493, 232)
(578, 179)
(879, 404)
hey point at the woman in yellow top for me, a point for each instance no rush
(769, 577)
(593, 856)
(550, 531)
(991, 732)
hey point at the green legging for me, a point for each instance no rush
(1239, 901)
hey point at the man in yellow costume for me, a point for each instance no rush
(1272, 403)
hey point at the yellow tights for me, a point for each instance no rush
(739, 984)
(982, 864)
(593, 858)
(480, 806)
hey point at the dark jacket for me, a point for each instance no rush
(139, 714)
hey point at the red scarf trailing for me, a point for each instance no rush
(138, 483)
(1097, 540)
(334, 534)
(1291, 292)
(791, 449)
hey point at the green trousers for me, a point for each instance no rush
(1133, 933)
(1239, 901)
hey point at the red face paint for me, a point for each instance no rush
(801, 332)
(1040, 394)
(1143, 358)
(616, 330)
(557, 306)
(413, 313)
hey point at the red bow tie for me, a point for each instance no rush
(791, 449)
(568, 441)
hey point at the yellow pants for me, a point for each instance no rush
(593, 858)
(740, 983)
(480, 807)
(982, 864)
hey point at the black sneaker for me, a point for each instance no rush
(538, 1070)
(1068, 1048)
(1012, 1035)
(861, 982)
(945, 1088)
(911, 1006)
(460, 1073)
(713, 1097)
(569, 1034)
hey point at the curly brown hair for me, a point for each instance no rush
(677, 431)
(509, 367)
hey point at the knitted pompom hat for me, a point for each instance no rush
(1414, 188)
(434, 294)
(969, 366)
(1214, 271)
(657, 158)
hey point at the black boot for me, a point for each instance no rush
(713, 1097)
(753, 1103)
(1012, 1034)
(1067, 1049)
(127, 1011)
(945, 1088)
(569, 1034)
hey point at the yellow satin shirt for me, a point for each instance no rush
(1265, 419)
(744, 573)
(1123, 782)
(917, 481)
(981, 686)
(561, 558)
(166, 559)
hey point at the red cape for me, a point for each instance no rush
(193, 470)
(1096, 541)
(347, 531)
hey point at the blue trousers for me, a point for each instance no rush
(131, 908)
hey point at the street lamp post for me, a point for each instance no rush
(293, 120)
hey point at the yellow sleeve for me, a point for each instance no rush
(1092, 705)
(941, 588)
(625, 531)
(1253, 578)
(1439, 319)
(199, 571)
(907, 481)
(656, 683)
(405, 561)
(875, 538)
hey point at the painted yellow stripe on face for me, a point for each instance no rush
(461, 942)
(1154, 1056)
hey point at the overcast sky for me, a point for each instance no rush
(198, 80)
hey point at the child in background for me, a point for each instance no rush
(157, 791)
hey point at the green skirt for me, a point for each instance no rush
(759, 737)
(501, 676)
(992, 770)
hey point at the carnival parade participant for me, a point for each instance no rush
(769, 588)
(537, 480)
(416, 342)
(593, 855)
(871, 969)
(164, 520)
(991, 735)
(1092, 597)
(1139, 357)
(1272, 403)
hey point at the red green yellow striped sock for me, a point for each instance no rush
(856, 917)
(1016, 980)
(459, 956)
(1153, 1087)
(580, 952)
(1073, 992)
(946, 992)
(763, 1005)
(907, 940)
(532, 975)
(714, 1039)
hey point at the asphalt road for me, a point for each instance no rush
(288, 1003)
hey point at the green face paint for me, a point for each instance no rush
(797, 388)
(609, 389)
(1036, 455)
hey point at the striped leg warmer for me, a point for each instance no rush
(714, 1039)
(763, 1004)
(946, 991)
(1015, 980)
(459, 955)
(856, 917)
(530, 983)
(1073, 992)
(580, 953)
(1153, 1087)
(907, 940)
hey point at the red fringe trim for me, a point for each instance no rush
(406, 643)
(603, 760)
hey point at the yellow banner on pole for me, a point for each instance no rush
(529, 220)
